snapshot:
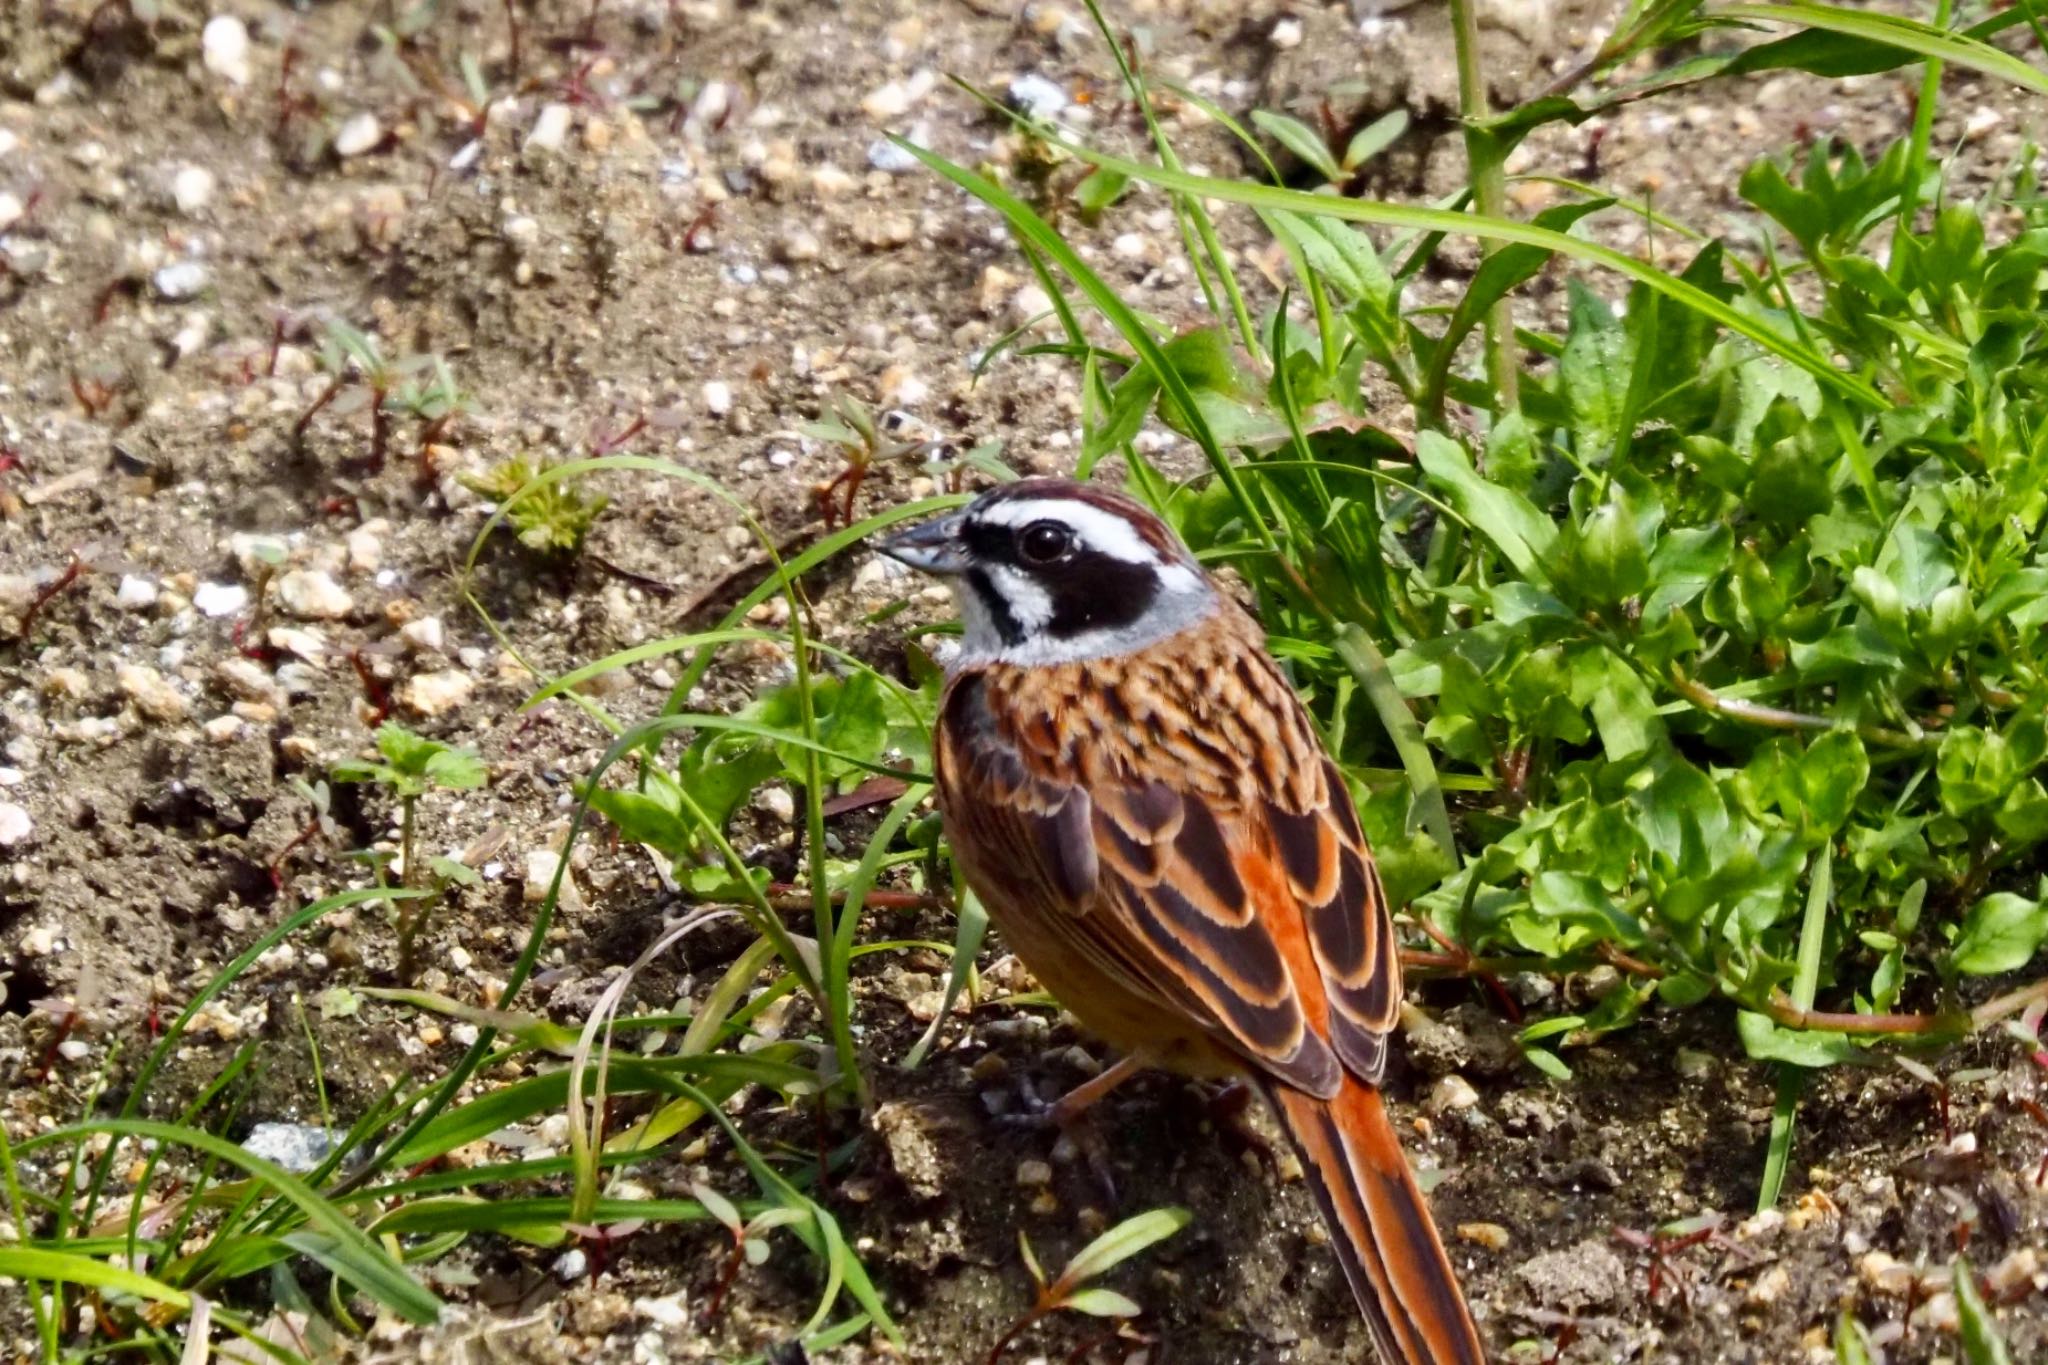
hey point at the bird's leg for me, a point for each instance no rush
(1070, 1115)
(1071, 1106)
(1230, 1109)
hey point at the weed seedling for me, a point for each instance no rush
(359, 376)
(412, 766)
(553, 519)
(861, 441)
(1072, 1292)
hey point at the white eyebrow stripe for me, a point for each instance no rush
(1103, 532)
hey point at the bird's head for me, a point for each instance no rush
(1051, 571)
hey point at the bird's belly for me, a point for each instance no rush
(1108, 1007)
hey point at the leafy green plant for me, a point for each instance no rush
(1706, 653)
(1073, 1290)
(1314, 148)
(412, 767)
(554, 520)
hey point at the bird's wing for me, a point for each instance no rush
(1257, 915)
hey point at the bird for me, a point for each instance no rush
(1133, 790)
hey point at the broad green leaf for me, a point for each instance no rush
(1122, 1242)
(1300, 139)
(2001, 933)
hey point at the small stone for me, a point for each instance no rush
(313, 595)
(41, 941)
(424, 636)
(152, 693)
(571, 1265)
(299, 642)
(360, 133)
(437, 693)
(180, 279)
(668, 1311)
(540, 867)
(192, 188)
(11, 209)
(799, 246)
(224, 729)
(829, 182)
(365, 551)
(550, 129)
(884, 155)
(1036, 97)
(248, 680)
(1492, 1236)
(776, 803)
(220, 599)
(1285, 34)
(1981, 121)
(135, 594)
(1770, 1286)
(1028, 305)
(890, 101)
(67, 684)
(1886, 1274)
(1451, 1093)
(298, 1147)
(15, 827)
(717, 397)
(224, 47)
(1033, 1175)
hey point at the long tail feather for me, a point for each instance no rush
(1380, 1225)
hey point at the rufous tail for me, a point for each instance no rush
(1380, 1225)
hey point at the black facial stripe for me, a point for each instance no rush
(1089, 590)
(997, 605)
(1093, 591)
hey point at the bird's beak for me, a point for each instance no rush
(933, 546)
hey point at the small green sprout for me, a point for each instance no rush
(359, 376)
(1314, 148)
(413, 766)
(553, 519)
(1072, 1293)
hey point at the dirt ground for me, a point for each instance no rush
(678, 211)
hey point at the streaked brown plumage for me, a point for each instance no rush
(1139, 799)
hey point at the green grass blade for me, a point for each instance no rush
(36, 1263)
(1488, 229)
(353, 1255)
(1907, 35)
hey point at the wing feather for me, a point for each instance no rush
(1259, 915)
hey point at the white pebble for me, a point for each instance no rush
(180, 279)
(135, 594)
(74, 1049)
(1981, 121)
(220, 599)
(11, 209)
(425, 635)
(1036, 97)
(313, 595)
(224, 46)
(359, 134)
(550, 130)
(192, 188)
(15, 827)
(1285, 34)
(718, 397)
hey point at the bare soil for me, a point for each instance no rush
(714, 243)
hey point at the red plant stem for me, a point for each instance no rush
(306, 417)
(380, 428)
(72, 573)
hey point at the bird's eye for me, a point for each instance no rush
(1044, 542)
